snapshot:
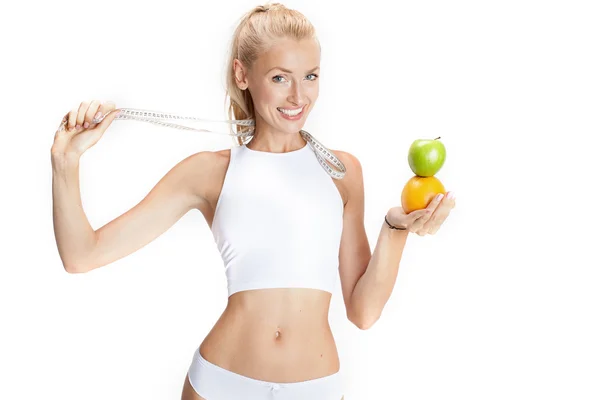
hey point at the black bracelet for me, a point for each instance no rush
(392, 226)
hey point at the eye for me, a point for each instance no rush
(279, 76)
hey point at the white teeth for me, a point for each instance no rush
(291, 113)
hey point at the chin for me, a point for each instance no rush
(294, 128)
(289, 126)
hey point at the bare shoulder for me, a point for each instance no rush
(207, 170)
(352, 180)
(348, 159)
(199, 173)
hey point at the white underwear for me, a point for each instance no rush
(215, 383)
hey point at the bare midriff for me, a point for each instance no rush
(277, 335)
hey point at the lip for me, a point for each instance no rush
(294, 118)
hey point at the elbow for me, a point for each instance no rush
(366, 324)
(363, 326)
(363, 322)
(73, 269)
(79, 264)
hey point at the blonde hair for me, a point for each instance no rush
(257, 30)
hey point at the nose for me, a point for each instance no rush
(296, 93)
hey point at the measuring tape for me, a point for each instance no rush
(157, 117)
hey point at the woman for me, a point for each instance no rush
(281, 223)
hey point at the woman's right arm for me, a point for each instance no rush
(82, 249)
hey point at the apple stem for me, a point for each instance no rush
(439, 137)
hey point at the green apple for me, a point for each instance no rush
(426, 157)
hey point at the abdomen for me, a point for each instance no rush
(277, 335)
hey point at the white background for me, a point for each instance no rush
(501, 303)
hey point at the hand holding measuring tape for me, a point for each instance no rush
(78, 131)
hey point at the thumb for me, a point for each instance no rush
(108, 119)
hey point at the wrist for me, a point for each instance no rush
(64, 158)
(62, 162)
(392, 225)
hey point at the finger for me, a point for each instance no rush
(438, 224)
(104, 111)
(444, 209)
(451, 200)
(422, 217)
(421, 227)
(435, 222)
(431, 222)
(90, 113)
(440, 218)
(435, 202)
(416, 215)
(441, 210)
(108, 119)
(72, 120)
(83, 107)
(434, 230)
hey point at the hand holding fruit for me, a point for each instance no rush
(425, 203)
(424, 221)
(79, 131)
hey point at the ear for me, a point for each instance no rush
(240, 72)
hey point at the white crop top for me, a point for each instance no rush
(278, 221)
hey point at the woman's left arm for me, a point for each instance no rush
(368, 280)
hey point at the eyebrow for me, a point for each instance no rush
(289, 72)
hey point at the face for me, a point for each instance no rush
(283, 80)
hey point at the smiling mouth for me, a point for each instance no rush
(294, 112)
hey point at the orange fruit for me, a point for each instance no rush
(419, 191)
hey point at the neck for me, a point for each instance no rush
(276, 142)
